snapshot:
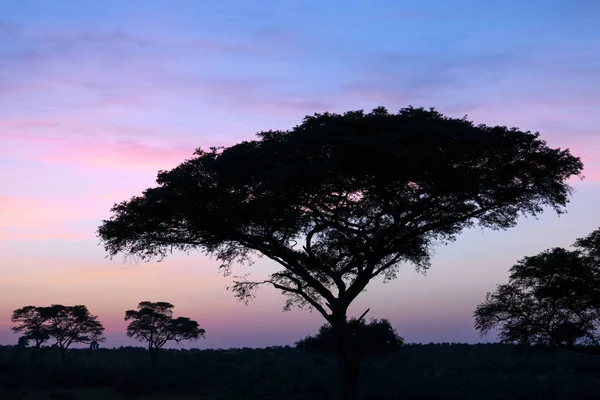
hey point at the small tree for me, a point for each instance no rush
(153, 323)
(65, 324)
(72, 324)
(32, 323)
(340, 200)
(23, 342)
(371, 339)
(551, 299)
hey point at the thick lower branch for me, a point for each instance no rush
(313, 303)
(286, 260)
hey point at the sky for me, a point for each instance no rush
(97, 96)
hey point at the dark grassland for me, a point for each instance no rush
(434, 371)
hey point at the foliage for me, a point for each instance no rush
(65, 324)
(362, 192)
(23, 342)
(552, 299)
(31, 322)
(374, 338)
(153, 323)
(340, 200)
(74, 324)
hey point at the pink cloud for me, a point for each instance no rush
(29, 219)
(120, 155)
(74, 142)
(26, 234)
(10, 125)
(19, 210)
(71, 218)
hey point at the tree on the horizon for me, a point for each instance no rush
(153, 323)
(73, 324)
(65, 324)
(31, 322)
(551, 299)
(340, 200)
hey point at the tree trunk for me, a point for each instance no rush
(348, 371)
(63, 355)
(348, 361)
(34, 353)
(153, 353)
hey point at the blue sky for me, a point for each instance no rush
(97, 96)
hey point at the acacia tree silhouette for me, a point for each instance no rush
(73, 324)
(551, 299)
(65, 324)
(153, 323)
(31, 322)
(340, 200)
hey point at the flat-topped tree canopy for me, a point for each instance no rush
(341, 199)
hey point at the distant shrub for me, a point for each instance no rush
(375, 338)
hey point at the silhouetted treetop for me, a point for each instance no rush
(31, 321)
(65, 324)
(551, 299)
(153, 323)
(342, 196)
(589, 247)
(73, 324)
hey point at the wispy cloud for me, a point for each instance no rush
(124, 154)
(110, 155)
(125, 69)
(124, 100)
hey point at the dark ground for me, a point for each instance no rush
(440, 371)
